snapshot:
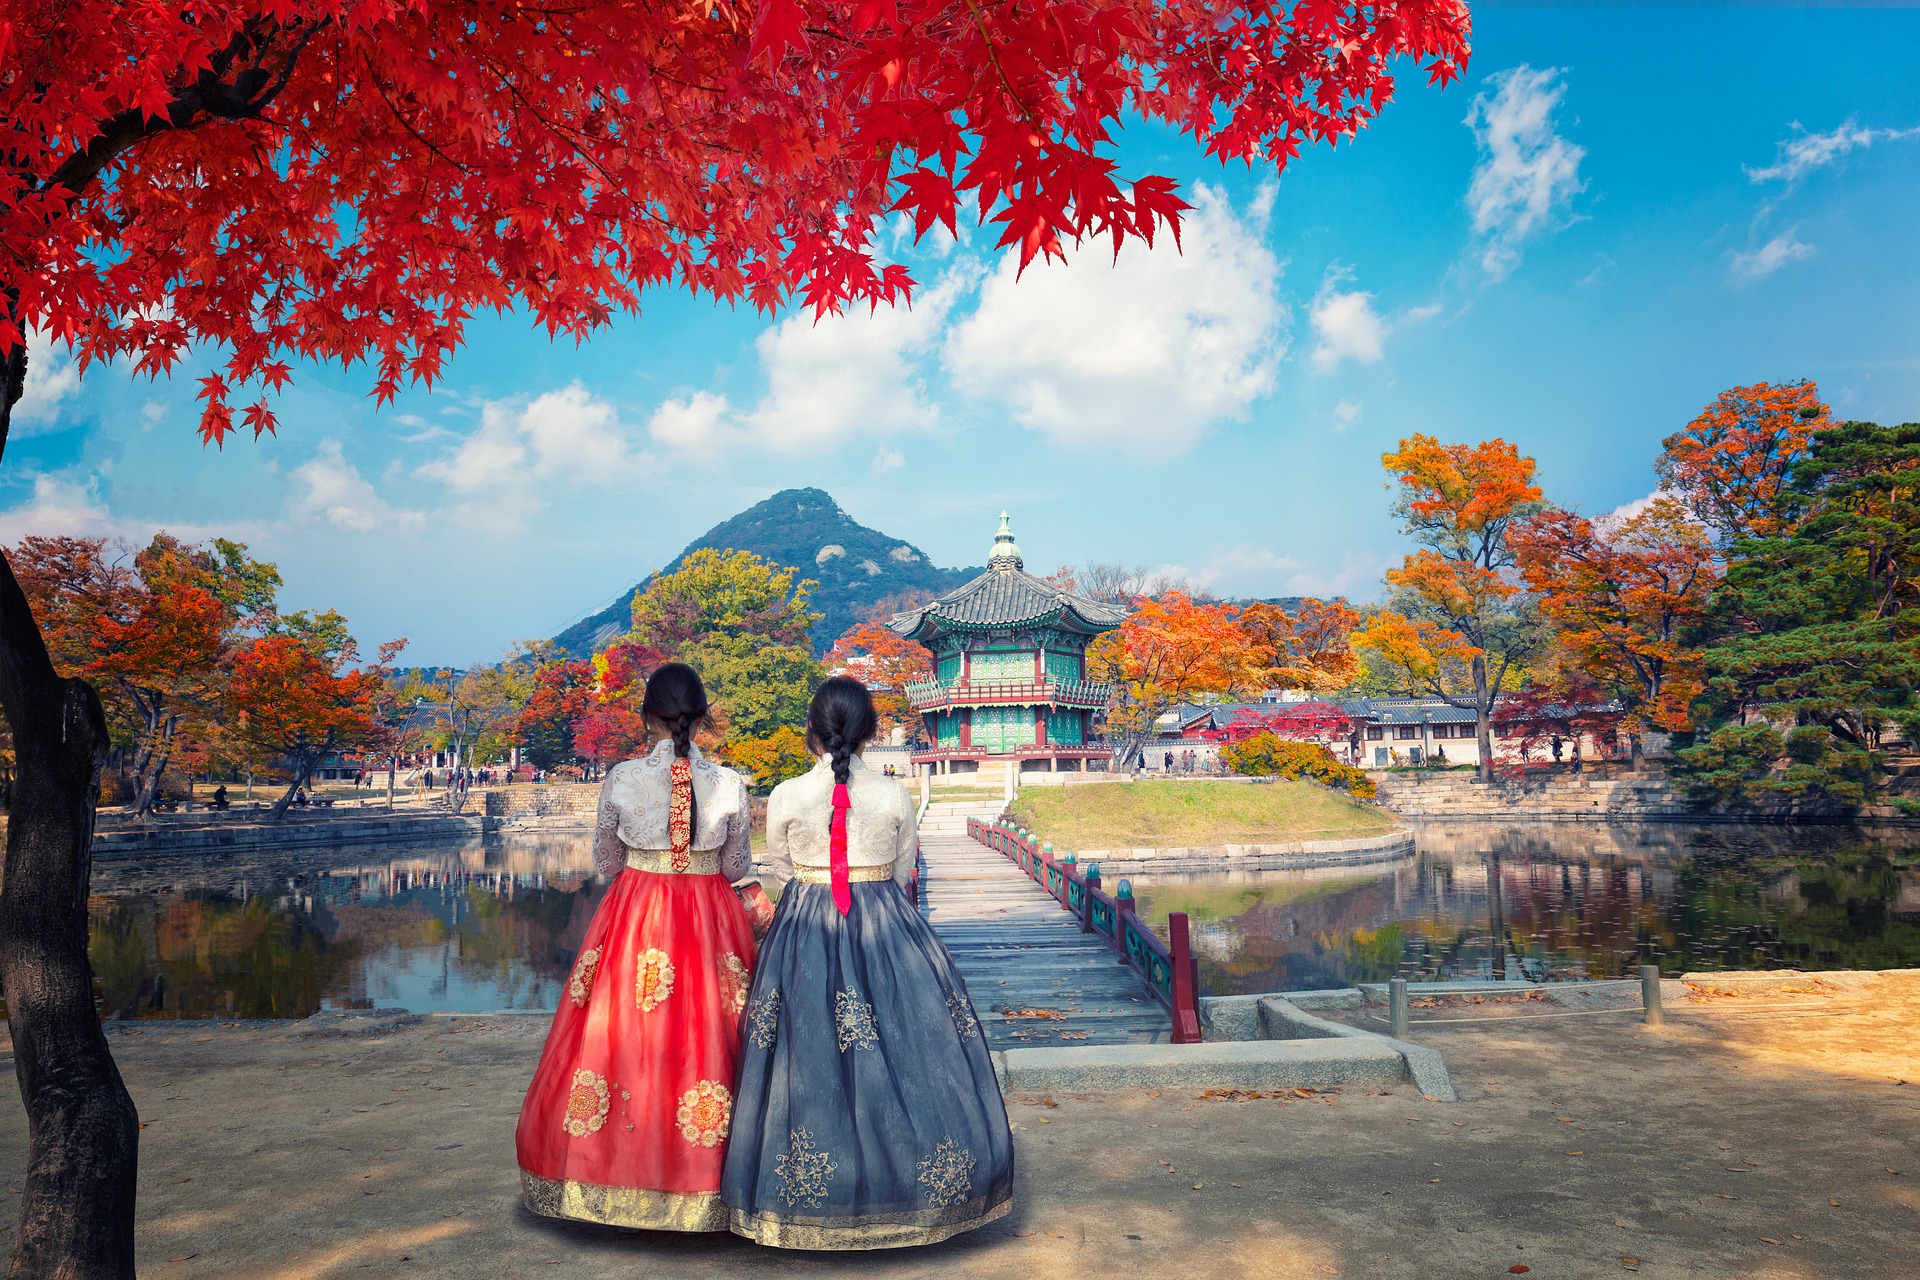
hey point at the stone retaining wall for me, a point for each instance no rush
(1570, 797)
(222, 837)
(1250, 857)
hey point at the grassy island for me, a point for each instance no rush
(1139, 815)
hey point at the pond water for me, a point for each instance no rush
(1550, 902)
(495, 925)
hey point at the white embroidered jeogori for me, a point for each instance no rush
(635, 804)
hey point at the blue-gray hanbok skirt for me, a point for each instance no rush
(867, 1115)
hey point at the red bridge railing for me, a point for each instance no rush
(1167, 968)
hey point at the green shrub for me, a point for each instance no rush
(1265, 755)
(1744, 766)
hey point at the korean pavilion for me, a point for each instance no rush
(1009, 653)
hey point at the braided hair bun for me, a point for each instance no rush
(676, 704)
(840, 722)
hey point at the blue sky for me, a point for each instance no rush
(1617, 214)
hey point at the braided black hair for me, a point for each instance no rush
(676, 704)
(840, 722)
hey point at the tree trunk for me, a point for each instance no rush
(76, 1209)
(1483, 717)
(300, 777)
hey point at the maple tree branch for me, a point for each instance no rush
(210, 95)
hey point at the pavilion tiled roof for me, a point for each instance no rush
(1006, 595)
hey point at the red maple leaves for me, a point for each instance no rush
(347, 180)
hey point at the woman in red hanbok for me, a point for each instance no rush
(626, 1120)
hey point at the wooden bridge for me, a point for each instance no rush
(1040, 972)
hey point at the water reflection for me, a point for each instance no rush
(486, 926)
(496, 924)
(1550, 902)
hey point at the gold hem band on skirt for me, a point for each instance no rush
(855, 875)
(873, 1231)
(637, 1207)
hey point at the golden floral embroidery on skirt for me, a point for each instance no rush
(652, 979)
(585, 970)
(803, 1172)
(853, 1021)
(587, 1103)
(947, 1175)
(704, 1113)
(962, 1012)
(735, 979)
(764, 1021)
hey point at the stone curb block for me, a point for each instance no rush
(1252, 1064)
(1425, 1067)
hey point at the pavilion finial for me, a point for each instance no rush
(1005, 553)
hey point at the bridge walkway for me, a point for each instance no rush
(1036, 980)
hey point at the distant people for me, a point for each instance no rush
(429, 780)
(300, 798)
(1440, 756)
(1169, 762)
(1576, 756)
(220, 797)
(1556, 748)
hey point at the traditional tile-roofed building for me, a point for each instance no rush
(1009, 653)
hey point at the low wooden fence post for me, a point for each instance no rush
(1186, 1008)
(1122, 908)
(1086, 899)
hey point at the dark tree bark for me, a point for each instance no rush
(76, 1208)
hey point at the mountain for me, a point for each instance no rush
(806, 530)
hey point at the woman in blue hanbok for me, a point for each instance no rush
(866, 1115)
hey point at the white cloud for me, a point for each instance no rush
(337, 494)
(569, 434)
(1803, 153)
(1528, 174)
(690, 423)
(1248, 570)
(1771, 256)
(1143, 353)
(847, 375)
(52, 377)
(887, 458)
(1416, 314)
(1345, 414)
(62, 504)
(1348, 326)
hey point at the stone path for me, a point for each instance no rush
(1036, 980)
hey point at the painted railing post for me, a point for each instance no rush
(1122, 909)
(1186, 1009)
(1086, 898)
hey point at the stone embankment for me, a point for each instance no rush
(210, 832)
(1274, 856)
(1641, 795)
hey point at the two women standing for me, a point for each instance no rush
(838, 1094)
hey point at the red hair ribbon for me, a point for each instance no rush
(837, 848)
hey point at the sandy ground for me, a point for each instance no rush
(1773, 1135)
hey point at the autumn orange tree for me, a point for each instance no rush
(887, 663)
(1457, 623)
(1624, 595)
(1308, 648)
(333, 181)
(1733, 463)
(152, 631)
(1169, 650)
(301, 697)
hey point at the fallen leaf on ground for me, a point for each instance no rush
(1631, 1262)
(1834, 1203)
(1768, 1240)
(1576, 1153)
(1198, 1185)
(185, 1257)
(1518, 1269)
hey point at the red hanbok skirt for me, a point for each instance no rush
(626, 1120)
